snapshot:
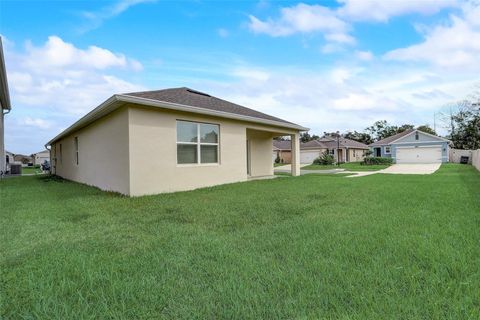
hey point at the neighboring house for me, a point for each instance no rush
(5, 108)
(41, 157)
(192, 140)
(412, 146)
(23, 159)
(344, 149)
(283, 150)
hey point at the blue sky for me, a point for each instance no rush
(327, 65)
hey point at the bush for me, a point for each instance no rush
(325, 159)
(277, 159)
(377, 160)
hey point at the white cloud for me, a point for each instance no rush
(251, 74)
(36, 122)
(303, 18)
(364, 55)
(96, 18)
(52, 85)
(340, 38)
(383, 10)
(453, 46)
(345, 97)
(57, 53)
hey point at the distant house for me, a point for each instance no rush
(195, 139)
(344, 150)
(412, 146)
(5, 108)
(41, 157)
(22, 159)
(283, 150)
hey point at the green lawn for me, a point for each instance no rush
(279, 164)
(352, 166)
(31, 170)
(308, 247)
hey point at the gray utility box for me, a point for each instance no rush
(15, 169)
(464, 160)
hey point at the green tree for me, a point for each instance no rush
(426, 128)
(467, 129)
(305, 137)
(359, 136)
(382, 129)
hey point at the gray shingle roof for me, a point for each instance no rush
(282, 145)
(323, 143)
(390, 139)
(194, 98)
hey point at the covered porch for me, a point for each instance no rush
(259, 145)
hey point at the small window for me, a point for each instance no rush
(416, 135)
(354, 153)
(197, 142)
(387, 150)
(60, 157)
(76, 149)
(331, 151)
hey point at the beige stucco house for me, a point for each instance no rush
(192, 140)
(343, 149)
(40, 157)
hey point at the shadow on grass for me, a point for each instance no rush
(51, 178)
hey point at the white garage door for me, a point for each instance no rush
(420, 155)
(308, 156)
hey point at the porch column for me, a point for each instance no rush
(295, 138)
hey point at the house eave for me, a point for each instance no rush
(5, 95)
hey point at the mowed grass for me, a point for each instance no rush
(351, 166)
(31, 170)
(314, 246)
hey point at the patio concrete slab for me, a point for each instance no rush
(417, 168)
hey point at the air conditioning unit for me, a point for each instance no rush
(15, 168)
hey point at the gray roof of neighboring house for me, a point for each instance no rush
(282, 145)
(390, 139)
(4, 94)
(194, 98)
(43, 151)
(314, 144)
(322, 143)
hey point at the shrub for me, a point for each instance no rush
(377, 160)
(324, 159)
(277, 159)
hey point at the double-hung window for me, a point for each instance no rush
(387, 150)
(197, 143)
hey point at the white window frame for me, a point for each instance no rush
(331, 152)
(389, 149)
(199, 144)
